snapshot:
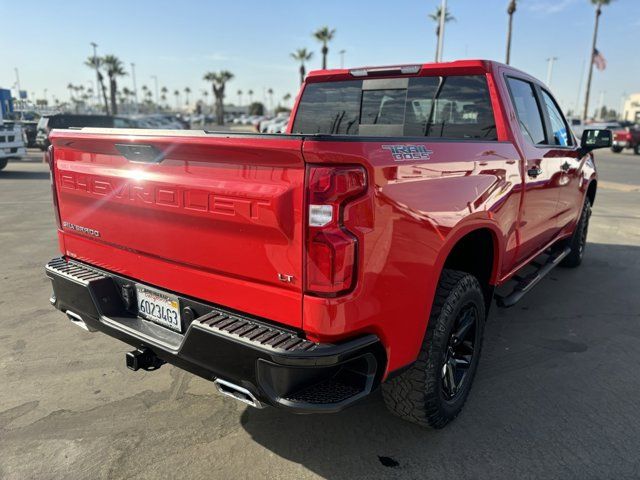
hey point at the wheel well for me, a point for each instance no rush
(591, 191)
(474, 254)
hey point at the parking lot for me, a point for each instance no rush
(556, 395)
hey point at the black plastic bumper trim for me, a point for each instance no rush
(276, 364)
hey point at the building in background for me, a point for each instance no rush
(631, 111)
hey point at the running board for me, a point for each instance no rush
(525, 284)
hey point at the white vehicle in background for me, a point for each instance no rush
(279, 125)
(12, 143)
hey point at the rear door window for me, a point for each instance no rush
(528, 111)
(456, 107)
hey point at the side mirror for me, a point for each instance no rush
(593, 139)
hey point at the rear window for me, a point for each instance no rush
(443, 107)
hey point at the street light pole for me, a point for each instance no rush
(135, 89)
(19, 96)
(550, 62)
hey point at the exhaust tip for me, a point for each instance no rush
(78, 320)
(237, 392)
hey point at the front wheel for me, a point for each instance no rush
(3, 163)
(434, 389)
(616, 149)
(578, 241)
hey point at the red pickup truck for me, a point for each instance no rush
(628, 137)
(360, 249)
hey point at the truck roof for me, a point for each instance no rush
(412, 69)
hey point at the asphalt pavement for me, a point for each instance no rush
(556, 396)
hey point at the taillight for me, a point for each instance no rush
(331, 248)
(52, 176)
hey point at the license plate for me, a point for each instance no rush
(158, 307)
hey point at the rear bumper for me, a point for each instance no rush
(621, 144)
(276, 365)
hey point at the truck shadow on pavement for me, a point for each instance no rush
(550, 365)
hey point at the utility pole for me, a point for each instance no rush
(135, 89)
(342, 52)
(585, 114)
(550, 61)
(95, 64)
(155, 81)
(443, 14)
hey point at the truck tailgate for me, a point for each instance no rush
(212, 216)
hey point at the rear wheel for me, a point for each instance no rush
(578, 241)
(616, 149)
(3, 162)
(434, 389)
(636, 149)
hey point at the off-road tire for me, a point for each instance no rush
(3, 162)
(416, 395)
(578, 242)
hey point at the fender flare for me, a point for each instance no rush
(469, 225)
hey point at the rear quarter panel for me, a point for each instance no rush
(420, 209)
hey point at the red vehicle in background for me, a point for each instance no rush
(361, 249)
(628, 137)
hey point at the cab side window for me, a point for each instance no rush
(529, 115)
(559, 127)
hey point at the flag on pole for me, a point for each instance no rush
(598, 60)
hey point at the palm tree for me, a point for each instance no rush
(218, 83)
(70, 87)
(286, 98)
(164, 91)
(302, 55)
(599, 4)
(324, 35)
(187, 91)
(270, 93)
(250, 93)
(176, 92)
(126, 93)
(511, 9)
(436, 18)
(95, 63)
(115, 69)
(239, 92)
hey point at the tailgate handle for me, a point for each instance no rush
(135, 152)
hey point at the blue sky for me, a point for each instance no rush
(180, 40)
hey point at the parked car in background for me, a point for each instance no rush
(363, 249)
(67, 120)
(628, 137)
(12, 144)
(279, 125)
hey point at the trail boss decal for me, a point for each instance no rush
(408, 152)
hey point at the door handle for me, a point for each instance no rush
(533, 172)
